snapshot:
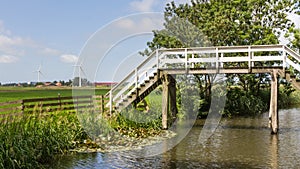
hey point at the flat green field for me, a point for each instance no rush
(18, 93)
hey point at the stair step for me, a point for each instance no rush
(147, 81)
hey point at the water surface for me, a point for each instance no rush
(236, 143)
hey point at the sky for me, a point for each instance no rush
(50, 34)
(54, 34)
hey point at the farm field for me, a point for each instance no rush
(19, 93)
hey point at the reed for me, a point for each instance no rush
(33, 140)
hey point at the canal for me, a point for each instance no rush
(243, 142)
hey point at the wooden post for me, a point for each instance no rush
(59, 101)
(168, 100)
(172, 95)
(165, 101)
(273, 113)
(22, 106)
(102, 104)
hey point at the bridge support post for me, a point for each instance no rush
(273, 112)
(168, 99)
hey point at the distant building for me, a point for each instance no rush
(58, 84)
(104, 84)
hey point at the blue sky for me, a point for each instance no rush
(52, 33)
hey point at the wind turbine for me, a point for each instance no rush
(80, 70)
(39, 73)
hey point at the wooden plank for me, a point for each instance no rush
(11, 109)
(203, 60)
(11, 103)
(55, 98)
(234, 59)
(11, 114)
(267, 58)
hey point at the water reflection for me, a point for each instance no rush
(237, 143)
(274, 151)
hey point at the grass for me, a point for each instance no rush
(33, 140)
(18, 93)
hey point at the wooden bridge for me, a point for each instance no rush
(160, 65)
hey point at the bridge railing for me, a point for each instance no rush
(217, 57)
(203, 57)
(135, 78)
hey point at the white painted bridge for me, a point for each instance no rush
(202, 60)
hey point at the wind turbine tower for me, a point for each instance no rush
(39, 73)
(80, 70)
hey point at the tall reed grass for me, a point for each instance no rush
(33, 140)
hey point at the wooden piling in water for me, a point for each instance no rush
(168, 99)
(273, 112)
(165, 102)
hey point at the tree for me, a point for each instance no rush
(226, 23)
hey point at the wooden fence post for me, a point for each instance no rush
(22, 106)
(102, 104)
(59, 101)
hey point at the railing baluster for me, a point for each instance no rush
(217, 60)
(186, 59)
(249, 59)
(284, 58)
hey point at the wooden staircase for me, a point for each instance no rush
(139, 93)
(292, 79)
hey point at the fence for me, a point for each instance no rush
(52, 104)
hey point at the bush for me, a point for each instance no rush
(241, 103)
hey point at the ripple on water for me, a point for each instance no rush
(237, 143)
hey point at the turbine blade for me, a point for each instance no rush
(42, 73)
(82, 71)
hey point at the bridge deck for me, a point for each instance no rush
(213, 70)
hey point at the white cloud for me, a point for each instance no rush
(69, 58)
(13, 45)
(143, 5)
(153, 5)
(8, 59)
(49, 51)
(126, 24)
(142, 23)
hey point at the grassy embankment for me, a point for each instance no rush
(18, 93)
(33, 140)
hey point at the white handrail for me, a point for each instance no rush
(161, 58)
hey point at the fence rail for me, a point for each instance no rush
(52, 104)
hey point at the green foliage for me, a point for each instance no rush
(240, 102)
(229, 23)
(222, 23)
(34, 139)
(140, 123)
